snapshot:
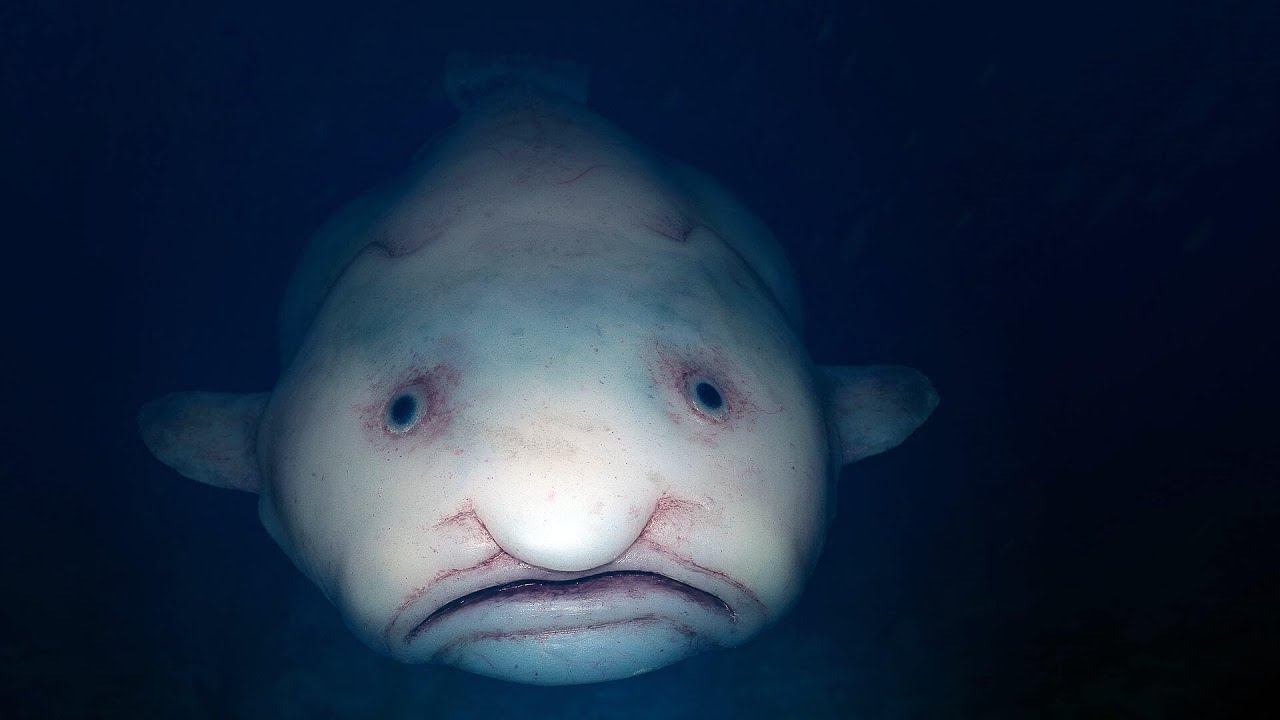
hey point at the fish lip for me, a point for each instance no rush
(515, 588)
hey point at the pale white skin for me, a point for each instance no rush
(553, 298)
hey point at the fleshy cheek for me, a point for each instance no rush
(438, 388)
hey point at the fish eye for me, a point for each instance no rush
(706, 397)
(404, 411)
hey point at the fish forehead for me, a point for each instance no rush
(521, 160)
(530, 159)
(549, 282)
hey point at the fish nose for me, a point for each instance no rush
(570, 522)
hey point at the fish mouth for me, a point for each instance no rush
(583, 602)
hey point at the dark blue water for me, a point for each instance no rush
(1066, 216)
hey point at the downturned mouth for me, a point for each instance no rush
(619, 584)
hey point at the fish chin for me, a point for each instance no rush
(587, 654)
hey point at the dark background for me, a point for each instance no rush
(1064, 213)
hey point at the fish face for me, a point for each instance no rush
(542, 476)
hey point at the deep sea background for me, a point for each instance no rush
(1065, 213)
